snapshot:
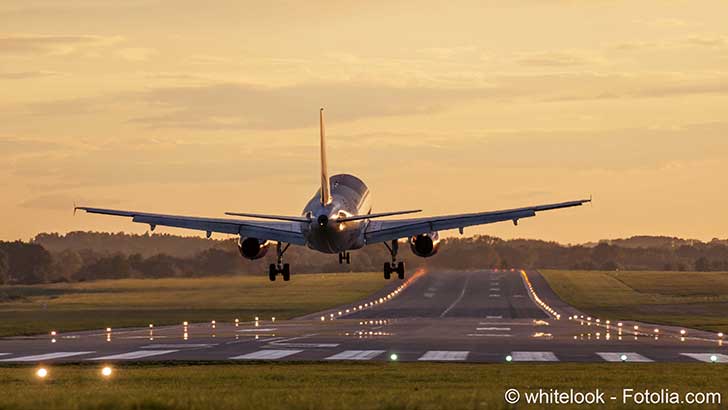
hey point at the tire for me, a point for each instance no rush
(387, 270)
(286, 272)
(272, 271)
(400, 270)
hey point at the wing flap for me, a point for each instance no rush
(381, 231)
(288, 232)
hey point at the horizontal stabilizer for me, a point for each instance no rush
(379, 215)
(275, 217)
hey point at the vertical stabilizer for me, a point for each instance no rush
(325, 183)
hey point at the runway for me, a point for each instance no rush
(441, 316)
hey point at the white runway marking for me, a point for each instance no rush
(138, 354)
(494, 328)
(429, 295)
(494, 317)
(267, 354)
(47, 356)
(465, 287)
(494, 296)
(5, 354)
(617, 357)
(705, 357)
(356, 355)
(495, 289)
(490, 334)
(178, 346)
(259, 329)
(534, 357)
(305, 345)
(444, 355)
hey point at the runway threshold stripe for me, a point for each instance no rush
(503, 329)
(138, 354)
(534, 357)
(705, 357)
(356, 355)
(444, 355)
(267, 354)
(47, 356)
(617, 357)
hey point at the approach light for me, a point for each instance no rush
(509, 358)
(720, 335)
(682, 331)
(393, 357)
(623, 357)
(106, 371)
(41, 373)
(713, 358)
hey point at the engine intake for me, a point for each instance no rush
(252, 248)
(425, 245)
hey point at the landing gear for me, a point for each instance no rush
(344, 256)
(394, 266)
(283, 268)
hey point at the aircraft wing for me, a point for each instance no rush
(289, 232)
(382, 231)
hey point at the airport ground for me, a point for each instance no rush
(411, 344)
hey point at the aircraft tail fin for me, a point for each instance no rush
(325, 182)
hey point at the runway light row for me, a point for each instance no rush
(389, 296)
(42, 373)
(538, 300)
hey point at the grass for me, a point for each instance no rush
(338, 386)
(137, 302)
(691, 299)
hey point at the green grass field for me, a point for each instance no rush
(138, 302)
(692, 299)
(339, 386)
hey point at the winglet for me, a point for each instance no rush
(325, 182)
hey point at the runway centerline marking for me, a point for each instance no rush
(428, 295)
(356, 355)
(494, 317)
(502, 329)
(705, 357)
(534, 357)
(179, 346)
(617, 357)
(444, 355)
(267, 354)
(462, 293)
(490, 334)
(139, 354)
(47, 356)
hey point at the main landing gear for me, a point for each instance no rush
(344, 256)
(281, 268)
(394, 266)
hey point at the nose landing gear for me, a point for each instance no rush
(394, 266)
(281, 268)
(344, 256)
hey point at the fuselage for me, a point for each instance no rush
(349, 197)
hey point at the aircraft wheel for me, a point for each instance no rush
(272, 272)
(387, 270)
(286, 272)
(400, 270)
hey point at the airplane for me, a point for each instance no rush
(337, 219)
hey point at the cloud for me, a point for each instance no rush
(136, 53)
(243, 106)
(52, 44)
(559, 58)
(707, 41)
(24, 75)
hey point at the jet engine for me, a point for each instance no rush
(426, 244)
(252, 248)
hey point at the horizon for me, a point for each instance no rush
(163, 107)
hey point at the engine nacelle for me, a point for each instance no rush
(426, 244)
(252, 248)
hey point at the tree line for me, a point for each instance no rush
(83, 256)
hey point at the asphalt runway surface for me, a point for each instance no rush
(456, 316)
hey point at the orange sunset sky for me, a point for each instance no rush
(199, 108)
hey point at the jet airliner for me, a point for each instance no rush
(337, 219)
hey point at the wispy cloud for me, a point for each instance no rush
(52, 44)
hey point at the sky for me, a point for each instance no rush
(463, 106)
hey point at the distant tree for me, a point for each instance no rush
(4, 265)
(26, 263)
(702, 264)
